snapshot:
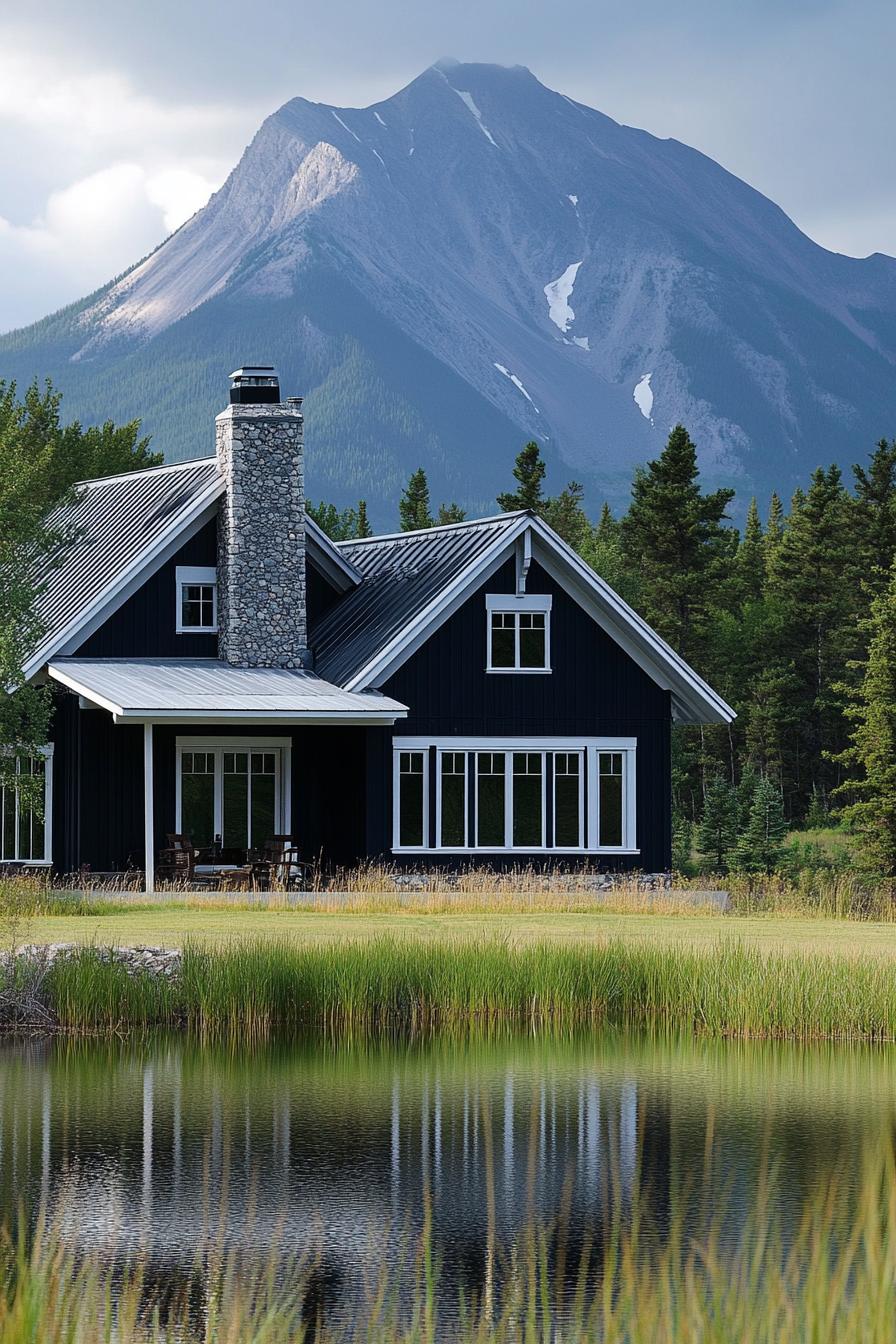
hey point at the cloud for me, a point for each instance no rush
(92, 230)
(94, 174)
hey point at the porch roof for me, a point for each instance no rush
(165, 690)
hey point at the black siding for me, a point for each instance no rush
(594, 690)
(145, 626)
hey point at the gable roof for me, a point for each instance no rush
(126, 527)
(402, 575)
(413, 581)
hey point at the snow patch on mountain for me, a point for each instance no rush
(558, 293)
(379, 118)
(643, 395)
(467, 100)
(346, 128)
(517, 383)
(581, 342)
(574, 199)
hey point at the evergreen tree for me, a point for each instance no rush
(746, 788)
(682, 841)
(759, 846)
(875, 514)
(774, 531)
(749, 562)
(603, 552)
(529, 471)
(565, 514)
(872, 748)
(817, 815)
(450, 513)
(674, 540)
(363, 528)
(813, 587)
(414, 506)
(339, 525)
(717, 832)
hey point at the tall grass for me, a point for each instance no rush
(828, 1276)
(254, 987)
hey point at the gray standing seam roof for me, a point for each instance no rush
(116, 520)
(401, 576)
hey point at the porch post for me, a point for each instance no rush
(148, 822)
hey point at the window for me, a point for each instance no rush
(502, 795)
(412, 795)
(197, 599)
(519, 633)
(26, 831)
(238, 789)
(453, 799)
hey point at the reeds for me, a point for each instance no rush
(776, 1275)
(257, 986)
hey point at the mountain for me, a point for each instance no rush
(476, 261)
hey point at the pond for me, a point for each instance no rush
(167, 1147)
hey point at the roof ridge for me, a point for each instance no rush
(144, 471)
(438, 527)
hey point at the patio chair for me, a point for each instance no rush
(176, 863)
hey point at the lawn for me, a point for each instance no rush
(172, 926)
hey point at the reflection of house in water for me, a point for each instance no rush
(164, 1154)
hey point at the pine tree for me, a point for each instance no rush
(682, 841)
(813, 587)
(749, 561)
(872, 748)
(564, 513)
(414, 506)
(673, 538)
(717, 831)
(774, 531)
(875, 514)
(603, 552)
(450, 513)
(363, 528)
(817, 815)
(746, 788)
(529, 471)
(759, 846)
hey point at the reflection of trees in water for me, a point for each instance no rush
(332, 1157)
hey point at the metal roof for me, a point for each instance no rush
(192, 689)
(121, 523)
(401, 575)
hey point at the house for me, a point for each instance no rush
(221, 668)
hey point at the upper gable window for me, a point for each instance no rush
(197, 599)
(519, 632)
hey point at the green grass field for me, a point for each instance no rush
(172, 926)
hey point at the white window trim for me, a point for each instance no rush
(583, 767)
(186, 574)
(508, 602)
(218, 745)
(397, 846)
(443, 751)
(590, 747)
(47, 752)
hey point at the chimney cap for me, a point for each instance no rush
(253, 384)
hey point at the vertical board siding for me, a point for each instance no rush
(594, 689)
(145, 626)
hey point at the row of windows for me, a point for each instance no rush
(514, 799)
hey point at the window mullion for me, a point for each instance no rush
(508, 798)
(218, 828)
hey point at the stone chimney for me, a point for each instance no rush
(261, 525)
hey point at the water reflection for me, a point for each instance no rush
(169, 1148)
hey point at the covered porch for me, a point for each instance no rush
(233, 759)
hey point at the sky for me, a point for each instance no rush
(117, 120)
